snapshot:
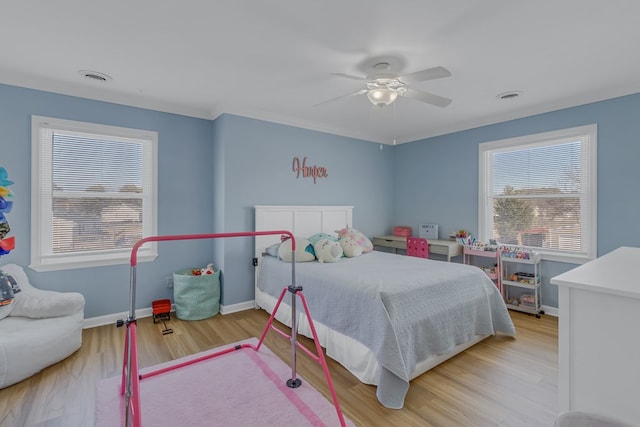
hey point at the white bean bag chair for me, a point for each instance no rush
(37, 329)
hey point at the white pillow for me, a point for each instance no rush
(302, 254)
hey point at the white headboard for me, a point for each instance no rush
(302, 221)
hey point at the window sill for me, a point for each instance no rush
(565, 258)
(70, 265)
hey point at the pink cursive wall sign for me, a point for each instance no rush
(314, 172)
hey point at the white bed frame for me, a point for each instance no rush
(305, 221)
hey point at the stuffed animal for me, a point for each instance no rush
(362, 240)
(203, 271)
(319, 236)
(350, 247)
(208, 270)
(327, 250)
(304, 252)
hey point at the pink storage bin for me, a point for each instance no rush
(402, 230)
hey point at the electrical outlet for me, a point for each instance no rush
(168, 281)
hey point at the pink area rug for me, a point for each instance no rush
(241, 388)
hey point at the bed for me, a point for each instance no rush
(386, 318)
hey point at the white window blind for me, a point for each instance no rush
(539, 192)
(94, 193)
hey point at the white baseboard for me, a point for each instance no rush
(551, 311)
(228, 309)
(108, 319)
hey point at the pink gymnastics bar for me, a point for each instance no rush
(130, 385)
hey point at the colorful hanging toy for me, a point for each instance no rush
(7, 244)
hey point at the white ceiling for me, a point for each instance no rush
(273, 60)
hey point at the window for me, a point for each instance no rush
(539, 191)
(93, 194)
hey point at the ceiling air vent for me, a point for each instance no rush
(509, 95)
(94, 75)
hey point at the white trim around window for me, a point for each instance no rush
(93, 193)
(583, 194)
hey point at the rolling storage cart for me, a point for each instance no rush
(491, 267)
(520, 277)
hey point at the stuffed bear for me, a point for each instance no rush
(350, 247)
(327, 250)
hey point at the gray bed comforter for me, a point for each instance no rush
(404, 309)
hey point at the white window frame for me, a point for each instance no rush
(42, 257)
(588, 136)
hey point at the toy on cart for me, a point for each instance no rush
(161, 309)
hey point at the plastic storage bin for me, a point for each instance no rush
(196, 297)
(402, 230)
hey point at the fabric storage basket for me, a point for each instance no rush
(196, 297)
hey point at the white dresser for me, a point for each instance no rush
(599, 336)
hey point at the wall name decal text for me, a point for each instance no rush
(314, 171)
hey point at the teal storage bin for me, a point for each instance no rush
(196, 297)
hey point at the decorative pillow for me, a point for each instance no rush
(356, 235)
(303, 248)
(319, 236)
(8, 289)
(350, 247)
(273, 249)
(328, 250)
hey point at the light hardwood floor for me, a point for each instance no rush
(501, 381)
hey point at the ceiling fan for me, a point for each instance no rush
(383, 87)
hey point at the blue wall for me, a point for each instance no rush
(212, 173)
(437, 178)
(258, 159)
(185, 199)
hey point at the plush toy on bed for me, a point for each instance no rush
(304, 250)
(362, 240)
(319, 236)
(327, 250)
(350, 247)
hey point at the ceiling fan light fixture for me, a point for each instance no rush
(382, 97)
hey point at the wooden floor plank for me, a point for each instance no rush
(501, 381)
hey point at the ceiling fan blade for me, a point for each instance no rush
(360, 92)
(428, 74)
(349, 76)
(429, 98)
